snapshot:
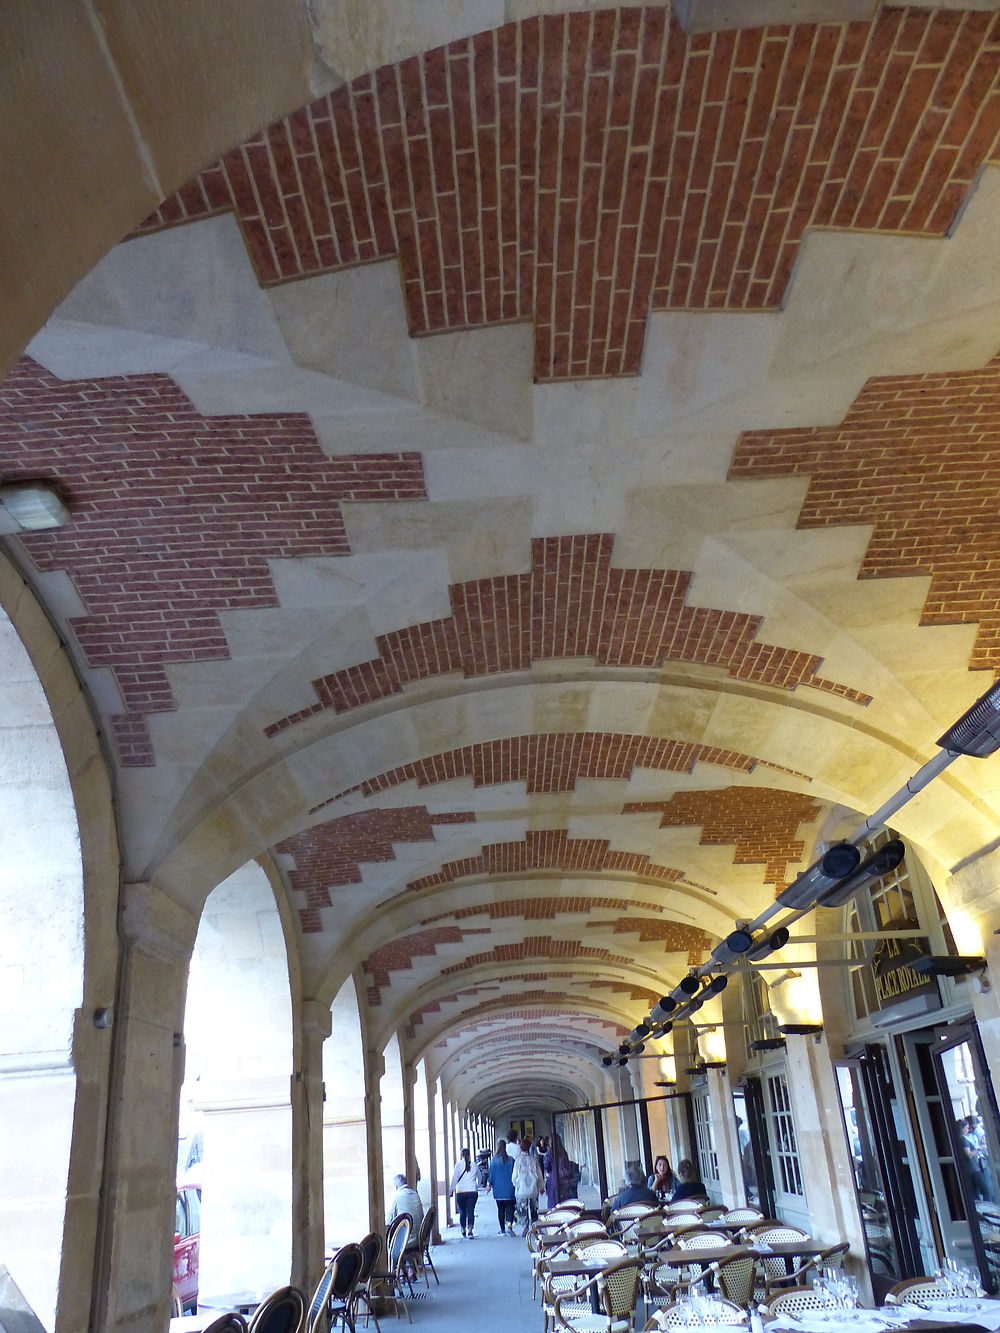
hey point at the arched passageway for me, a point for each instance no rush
(345, 1145)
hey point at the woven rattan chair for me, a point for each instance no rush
(600, 1248)
(735, 1276)
(420, 1249)
(793, 1300)
(914, 1291)
(617, 1293)
(742, 1217)
(227, 1323)
(676, 1316)
(284, 1311)
(318, 1314)
(392, 1276)
(832, 1257)
(371, 1252)
(773, 1269)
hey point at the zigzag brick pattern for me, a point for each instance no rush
(571, 603)
(760, 822)
(330, 855)
(399, 954)
(174, 517)
(688, 939)
(544, 909)
(920, 452)
(583, 169)
(555, 761)
(550, 849)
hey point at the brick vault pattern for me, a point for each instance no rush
(571, 603)
(330, 854)
(551, 849)
(761, 823)
(679, 939)
(518, 1017)
(554, 761)
(174, 517)
(586, 168)
(399, 954)
(920, 452)
(545, 909)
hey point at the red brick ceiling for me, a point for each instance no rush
(914, 457)
(583, 169)
(174, 517)
(760, 822)
(555, 761)
(541, 908)
(571, 603)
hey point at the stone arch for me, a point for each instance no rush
(238, 1030)
(345, 1147)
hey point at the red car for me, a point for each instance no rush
(187, 1239)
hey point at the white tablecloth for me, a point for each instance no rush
(984, 1312)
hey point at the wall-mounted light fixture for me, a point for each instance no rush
(800, 1029)
(768, 1044)
(948, 965)
(30, 506)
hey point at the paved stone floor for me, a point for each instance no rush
(485, 1283)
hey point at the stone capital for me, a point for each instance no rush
(317, 1019)
(374, 1066)
(155, 923)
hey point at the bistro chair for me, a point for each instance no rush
(318, 1314)
(773, 1268)
(599, 1248)
(420, 1249)
(795, 1300)
(227, 1323)
(678, 1316)
(914, 1291)
(393, 1274)
(685, 1206)
(346, 1269)
(371, 1252)
(284, 1311)
(742, 1217)
(735, 1276)
(832, 1257)
(617, 1293)
(660, 1283)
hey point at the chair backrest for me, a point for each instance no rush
(398, 1239)
(176, 1304)
(794, 1300)
(775, 1235)
(587, 1226)
(597, 1247)
(678, 1222)
(346, 1267)
(742, 1217)
(735, 1278)
(574, 1205)
(914, 1291)
(679, 1316)
(633, 1210)
(700, 1240)
(685, 1206)
(834, 1256)
(371, 1249)
(426, 1227)
(227, 1323)
(556, 1216)
(619, 1287)
(284, 1311)
(316, 1314)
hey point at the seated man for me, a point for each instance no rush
(406, 1200)
(686, 1182)
(636, 1190)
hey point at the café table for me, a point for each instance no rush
(789, 1250)
(941, 1316)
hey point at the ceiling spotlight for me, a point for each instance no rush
(767, 944)
(977, 732)
(718, 984)
(641, 1030)
(948, 965)
(623, 1060)
(688, 985)
(880, 863)
(638, 1050)
(29, 506)
(608, 1060)
(623, 1049)
(695, 1004)
(836, 862)
(733, 946)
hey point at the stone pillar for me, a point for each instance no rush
(449, 1159)
(308, 1225)
(727, 1139)
(823, 1156)
(430, 1085)
(973, 894)
(135, 1249)
(409, 1124)
(374, 1069)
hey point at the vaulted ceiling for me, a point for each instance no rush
(532, 492)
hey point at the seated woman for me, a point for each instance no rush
(686, 1182)
(662, 1180)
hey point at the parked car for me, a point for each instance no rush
(187, 1243)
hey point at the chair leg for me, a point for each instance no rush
(430, 1264)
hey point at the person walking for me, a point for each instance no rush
(501, 1184)
(527, 1183)
(465, 1188)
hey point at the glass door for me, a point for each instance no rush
(760, 1150)
(968, 1112)
(874, 1128)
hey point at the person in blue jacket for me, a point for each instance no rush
(501, 1183)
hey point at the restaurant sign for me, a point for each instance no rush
(892, 968)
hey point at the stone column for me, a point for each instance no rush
(823, 1156)
(974, 892)
(449, 1158)
(374, 1069)
(308, 1223)
(409, 1124)
(430, 1086)
(135, 1250)
(727, 1139)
